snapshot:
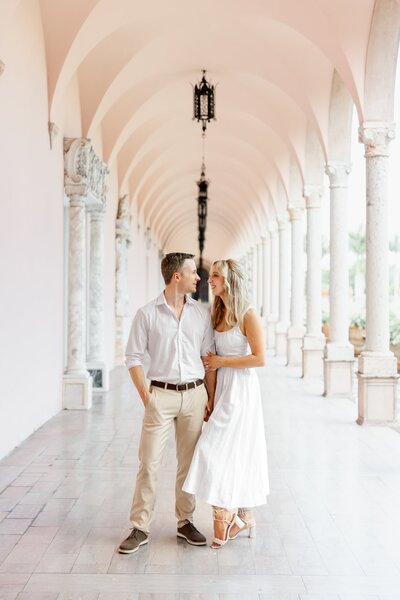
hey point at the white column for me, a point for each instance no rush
(260, 286)
(96, 355)
(339, 352)
(122, 242)
(296, 330)
(84, 176)
(314, 341)
(377, 366)
(254, 289)
(266, 247)
(284, 289)
(77, 381)
(274, 289)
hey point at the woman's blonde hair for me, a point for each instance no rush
(235, 291)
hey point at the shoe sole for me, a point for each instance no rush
(121, 551)
(180, 535)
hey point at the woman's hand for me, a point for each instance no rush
(208, 410)
(212, 362)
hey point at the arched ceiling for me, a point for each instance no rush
(273, 62)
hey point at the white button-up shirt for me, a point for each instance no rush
(175, 346)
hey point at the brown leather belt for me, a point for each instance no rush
(178, 387)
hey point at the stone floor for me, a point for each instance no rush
(331, 529)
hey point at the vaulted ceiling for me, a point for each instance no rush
(273, 62)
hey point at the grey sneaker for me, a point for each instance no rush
(135, 539)
(191, 535)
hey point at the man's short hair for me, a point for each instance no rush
(173, 263)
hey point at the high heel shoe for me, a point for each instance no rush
(243, 521)
(227, 518)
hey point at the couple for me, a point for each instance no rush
(226, 465)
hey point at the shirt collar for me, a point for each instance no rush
(161, 299)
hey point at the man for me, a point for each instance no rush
(176, 331)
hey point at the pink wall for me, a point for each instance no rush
(31, 238)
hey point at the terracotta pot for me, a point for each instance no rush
(357, 338)
(395, 348)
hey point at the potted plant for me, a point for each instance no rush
(394, 329)
(357, 333)
(325, 324)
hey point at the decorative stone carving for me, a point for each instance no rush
(84, 172)
(376, 136)
(84, 175)
(338, 173)
(313, 195)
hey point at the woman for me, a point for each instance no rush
(229, 467)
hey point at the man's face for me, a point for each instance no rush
(188, 277)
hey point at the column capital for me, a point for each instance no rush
(97, 211)
(265, 239)
(84, 171)
(296, 213)
(313, 195)
(376, 136)
(338, 172)
(283, 225)
(76, 201)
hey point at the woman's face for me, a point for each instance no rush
(216, 281)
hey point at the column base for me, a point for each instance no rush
(377, 399)
(77, 391)
(313, 353)
(377, 387)
(338, 378)
(281, 338)
(271, 332)
(295, 337)
(100, 376)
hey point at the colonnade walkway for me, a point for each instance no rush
(330, 530)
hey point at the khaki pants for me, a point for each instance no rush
(186, 411)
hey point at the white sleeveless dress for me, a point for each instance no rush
(229, 466)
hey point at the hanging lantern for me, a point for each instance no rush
(202, 200)
(204, 102)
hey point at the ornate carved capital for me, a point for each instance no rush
(313, 195)
(338, 173)
(295, 213)
(376, 136)
(123, 221)
(2, 67)
(76, 201)
(84, 172)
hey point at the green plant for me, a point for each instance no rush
(325, 317)
(357, 321)
(394, 329)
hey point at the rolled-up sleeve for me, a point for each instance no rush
(137, 342)
(208, 344)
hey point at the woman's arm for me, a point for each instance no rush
(254, 332)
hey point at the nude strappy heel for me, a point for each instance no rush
(243, 521)
(227, 517)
